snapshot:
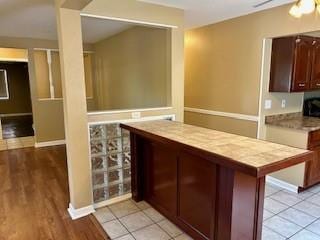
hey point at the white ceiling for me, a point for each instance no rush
(27, 18)
(36, 18)
(94, 29)
(204, 12)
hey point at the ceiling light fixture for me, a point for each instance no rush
(304, 7)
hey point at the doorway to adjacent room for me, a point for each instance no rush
(15, 100)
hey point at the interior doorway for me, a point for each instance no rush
(15, 100)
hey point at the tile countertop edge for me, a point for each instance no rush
(228, 162)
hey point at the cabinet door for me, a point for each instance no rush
(315, 73)
(313, 169)
(302, 64)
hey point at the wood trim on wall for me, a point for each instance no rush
(223, 114)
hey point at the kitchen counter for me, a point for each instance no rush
(294, 121)
(256, 156)
(205, 181)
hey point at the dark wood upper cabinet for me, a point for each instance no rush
(315, 73)
(295, 64)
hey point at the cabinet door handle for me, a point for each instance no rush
(318, 84)
(301, 84)
(314, 42)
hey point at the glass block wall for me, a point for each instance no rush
(110, 158)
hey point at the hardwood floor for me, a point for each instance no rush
(13, 127)
(34, 198)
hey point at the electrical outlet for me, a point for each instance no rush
(283, 103)
(267, 104)
(136, 115)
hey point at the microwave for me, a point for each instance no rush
(311, 107)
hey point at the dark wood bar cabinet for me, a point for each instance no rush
(208, 193)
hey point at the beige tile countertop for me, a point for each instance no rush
(249, 152)
(294, 121)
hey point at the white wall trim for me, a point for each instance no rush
(14, 59)
(49, 144)
(112, 201)
(80, 212)
(223, 114)
(150, 118)
(128, 20)
(282, 184)
(130, 110)
(15, 114)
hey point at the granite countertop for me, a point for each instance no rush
(295, 121)
(243, 150)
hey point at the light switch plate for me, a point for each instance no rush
(267, 104)
(136, 115)
(283, 103)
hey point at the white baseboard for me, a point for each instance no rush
(80, 212)
(282, 184)
(112, 201)
(49, 144)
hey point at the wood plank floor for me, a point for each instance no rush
(34, 198)
(13, 127)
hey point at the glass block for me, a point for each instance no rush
(126, 159)
(97, 132)
(125, 133)
(99, 178)
(114, 145)
(114, 191)
(113, 130)
(98, 147)
(98, 163)
(126, 187)
(125, 144)
(99, 195)
(126, 173)
(114, 160)
(114, 176)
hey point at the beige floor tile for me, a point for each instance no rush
(126, 237)
(274, 206)
(136, 221)
(305, 235)
(3, 142)
(268, 234)
(123, 208)
(153, 232)
(286, 198)
(170, 228)
(26, 138)
(14, 145)
(13, 140)
(142, 205)
(282, 226)
(183, 237)
(104, 215)
(300, 218)
(3, 147)
(114, 229)
(154, 214)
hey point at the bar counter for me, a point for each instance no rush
(210, 183)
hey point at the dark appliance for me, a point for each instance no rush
(311, 107)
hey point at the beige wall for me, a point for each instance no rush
(223, 60)
(12, 54)
(152, 14)
(47, 115)
(132, 69)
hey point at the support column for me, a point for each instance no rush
(75, 110)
